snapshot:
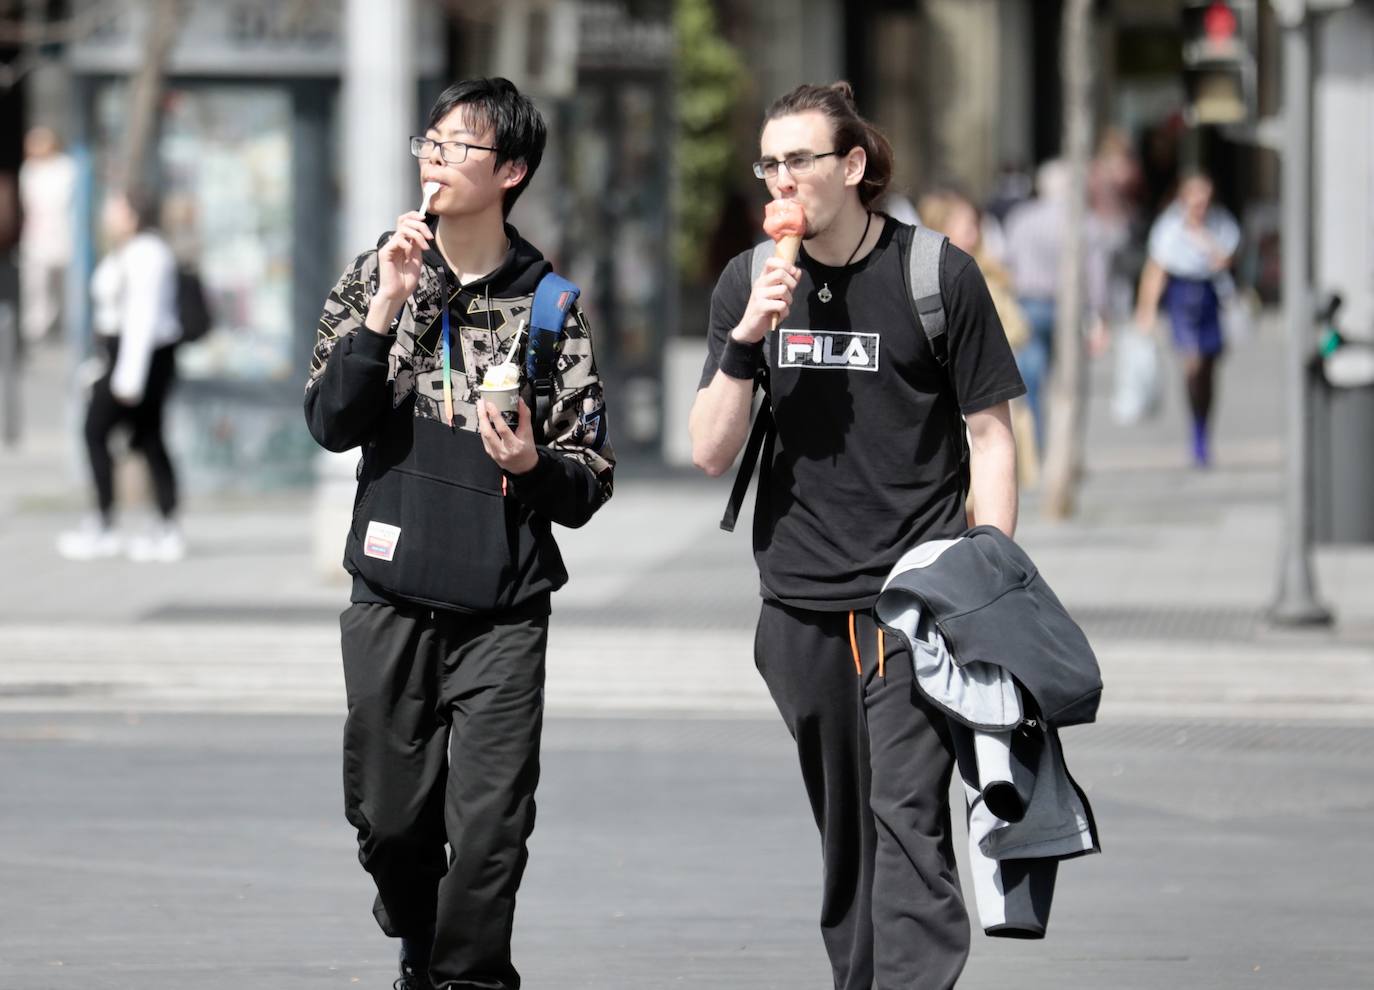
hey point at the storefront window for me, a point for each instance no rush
(225, 162)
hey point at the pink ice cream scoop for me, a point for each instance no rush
(784, 218)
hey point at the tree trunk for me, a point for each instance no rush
(145, 89)
(1067, 398)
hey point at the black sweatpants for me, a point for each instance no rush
(876, 759)
(441, 744)
(145, 419)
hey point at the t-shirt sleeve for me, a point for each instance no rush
(728, 301)
(981, 365)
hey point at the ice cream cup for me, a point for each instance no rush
(506, 401)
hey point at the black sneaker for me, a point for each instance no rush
(414, 965)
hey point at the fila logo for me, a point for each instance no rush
(838, 350)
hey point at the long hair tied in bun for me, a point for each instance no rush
(847, 127)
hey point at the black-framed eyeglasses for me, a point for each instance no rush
(798, 164)
(453, 152)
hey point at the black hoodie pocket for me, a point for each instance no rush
(432, 541)
(440, 540)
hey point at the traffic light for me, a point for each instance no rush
(1219, 61)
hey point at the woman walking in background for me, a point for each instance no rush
(1191, 247)
(134, 316)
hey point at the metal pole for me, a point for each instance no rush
(9, 370)
(1296, 603)
(378, 114)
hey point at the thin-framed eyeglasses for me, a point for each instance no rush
(453, 152)
(798, 164)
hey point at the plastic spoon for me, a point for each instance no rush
(515, 342)
(430, 188)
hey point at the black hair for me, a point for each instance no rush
(518, 130)
(145, 206)
(849, 130)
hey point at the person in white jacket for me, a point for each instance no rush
(47, 189)
(134, 318)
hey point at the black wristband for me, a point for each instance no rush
(741, 361)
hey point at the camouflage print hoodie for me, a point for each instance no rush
(435, 520)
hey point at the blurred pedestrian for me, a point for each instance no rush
(900, 208)
(955, 215)
(1192, 245)
(1114, 190)
(1035, 257)
(870, 409)
(1011, 187)
(136, 327)
(451, 547)
(1114, 182)
(10, 343)
(47, 185)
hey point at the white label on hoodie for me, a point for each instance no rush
(381, 540)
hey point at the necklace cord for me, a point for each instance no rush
(862, 237)
(824, 294)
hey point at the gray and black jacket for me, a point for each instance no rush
(435, 520)
(995, 651)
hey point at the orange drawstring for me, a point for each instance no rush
(854, 645)
(854, 649)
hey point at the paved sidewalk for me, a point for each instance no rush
(169, 741)
(1169, 570)
(211, 852)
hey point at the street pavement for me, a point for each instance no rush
(154, 852)
(168, 743)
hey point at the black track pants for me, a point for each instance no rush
(876, 760)
(104, 413)
(441, 744)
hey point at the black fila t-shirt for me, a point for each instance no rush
(869, 450)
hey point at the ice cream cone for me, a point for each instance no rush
(786, 249)
(785, 222)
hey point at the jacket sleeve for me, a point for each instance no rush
(573, 476)
(348, 391)
(149, 299)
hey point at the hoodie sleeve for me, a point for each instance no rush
(348, 390)
(573, 476)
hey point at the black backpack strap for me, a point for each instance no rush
(761, 433)
(760, 437)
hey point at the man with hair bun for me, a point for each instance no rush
(867, 460)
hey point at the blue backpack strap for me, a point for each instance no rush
(553, 298)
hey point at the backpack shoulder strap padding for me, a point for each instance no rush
(762, 252)
(760, 434)
(553, 299)
(925, 258)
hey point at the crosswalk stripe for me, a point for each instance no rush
(296, 668)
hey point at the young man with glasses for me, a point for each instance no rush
(867, 461)
(451, 550)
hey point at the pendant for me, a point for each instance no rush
(825, 295)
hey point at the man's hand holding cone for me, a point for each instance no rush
(771, 298)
